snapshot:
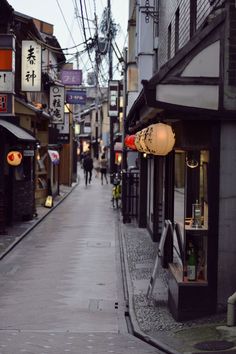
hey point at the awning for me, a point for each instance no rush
(22, 107)
(17, 131)
(54, 156)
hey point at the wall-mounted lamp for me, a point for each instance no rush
(191, 161)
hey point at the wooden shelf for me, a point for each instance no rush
(177, 272)
(39, 173)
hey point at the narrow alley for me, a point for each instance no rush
(61, 286)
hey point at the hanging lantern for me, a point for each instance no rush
(130, 142)
(137, 142)
(14, 158)
(159, 139)
(142, 136)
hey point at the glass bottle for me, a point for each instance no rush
(191, 263)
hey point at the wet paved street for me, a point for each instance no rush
(61, 286)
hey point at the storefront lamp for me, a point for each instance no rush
(159, 139)
(191, 161)
(14, 158)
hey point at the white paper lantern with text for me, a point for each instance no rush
(137, 142)
(142, 137)
(159, 139)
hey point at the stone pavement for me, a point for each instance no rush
(150, 320)
(19, 230)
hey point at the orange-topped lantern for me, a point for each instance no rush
(159, 139)
(130, 142)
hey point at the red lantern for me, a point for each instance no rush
(14, 158)
(130, 142)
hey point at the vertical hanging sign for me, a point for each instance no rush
(113, 98)
(7, 73)
(31, 66)
(57, 101)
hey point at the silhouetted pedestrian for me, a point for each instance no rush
(103, 168)
(88, 168)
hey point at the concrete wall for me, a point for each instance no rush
(227, 214)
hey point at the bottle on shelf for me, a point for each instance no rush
(191, 263)
(196, 215)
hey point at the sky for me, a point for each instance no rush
(68, 26)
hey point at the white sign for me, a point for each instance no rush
(6, 81)
(57, 102)
(31, 66)
(64, 128)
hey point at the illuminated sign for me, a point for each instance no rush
(31, 66)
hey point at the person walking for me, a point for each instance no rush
(103, 168)
(88, 168)
(96, 167)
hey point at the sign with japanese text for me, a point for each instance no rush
(71, 77)
(113, 98)
(31, 66)
(57, 101)
(76, 97)
(6, 104)
(3, 103)
(7, 63)
(6, 81)
(64, 131)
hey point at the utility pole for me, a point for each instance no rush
(97, 124)
(112, 119)
(110, 39)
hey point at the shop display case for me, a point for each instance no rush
(188, 273)
(41, 188)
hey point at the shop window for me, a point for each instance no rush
(191, 216)
(24, 172)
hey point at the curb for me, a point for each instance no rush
(19, 238)
(134, 323)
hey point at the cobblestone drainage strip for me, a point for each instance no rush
(214, 345)
(218, 352)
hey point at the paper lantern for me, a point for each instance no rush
(14, 158)
(130, 142)
(142, 137)
(137, 142)
(159, 139)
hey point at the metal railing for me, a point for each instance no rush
(130, 195)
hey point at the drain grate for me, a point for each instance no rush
(99, 244)
(214, 345)
(233, 351)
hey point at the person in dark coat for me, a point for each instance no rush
(88, 168)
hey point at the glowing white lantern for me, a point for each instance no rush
(142, 137)
(159, 139)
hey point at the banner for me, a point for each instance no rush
(31, 66)
(57, 101)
